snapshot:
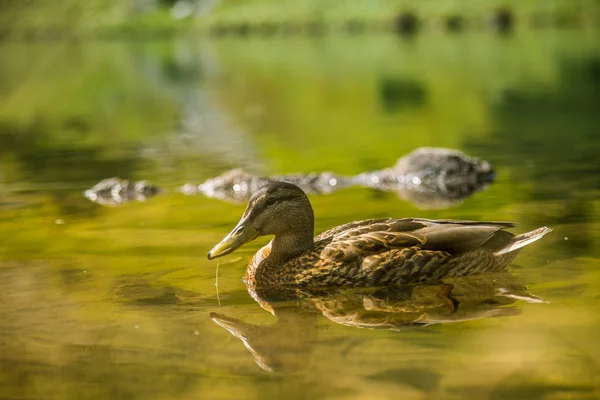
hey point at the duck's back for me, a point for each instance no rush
(404, 251)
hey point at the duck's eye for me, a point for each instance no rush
(271, 201)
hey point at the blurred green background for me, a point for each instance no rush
(101, 302)
(35, 18)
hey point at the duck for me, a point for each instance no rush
(366, 253)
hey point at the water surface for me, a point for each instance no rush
(115, 302)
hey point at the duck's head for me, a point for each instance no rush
(281, 209)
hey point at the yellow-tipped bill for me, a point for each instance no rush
(242, 233)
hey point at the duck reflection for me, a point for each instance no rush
(286, 345)
(283, 347)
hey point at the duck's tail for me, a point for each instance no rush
(523, 240)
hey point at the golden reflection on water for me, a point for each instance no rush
(148, 340)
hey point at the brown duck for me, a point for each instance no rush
(374, 252)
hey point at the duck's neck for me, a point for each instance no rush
(268, 267)
(298, 237)
(289, 245)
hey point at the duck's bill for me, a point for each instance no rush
(242, 233)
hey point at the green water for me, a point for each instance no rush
(114, 302)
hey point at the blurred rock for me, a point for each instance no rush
(115, 191)
(238, 185)
(431, 177)
(427, 177)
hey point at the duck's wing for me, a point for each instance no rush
(362, 239)
(457, 237)
(351, 226)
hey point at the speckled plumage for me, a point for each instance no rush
(375, 252)
(388, 252)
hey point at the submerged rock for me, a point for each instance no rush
(428, 177)
(237, 185)
(432, 177)
(115, 191)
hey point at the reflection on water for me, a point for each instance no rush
(104, 302)
(285, 346)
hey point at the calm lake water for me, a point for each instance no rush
(115, 302)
